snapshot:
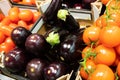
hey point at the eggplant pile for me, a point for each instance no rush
(48, 56)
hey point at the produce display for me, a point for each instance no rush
(16, 17)
(100, 58)
(91, 52)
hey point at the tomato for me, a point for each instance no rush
(1, 16)
(117, 49)
(105, 1)
(9, 42)
(6, 21)
(6, 30)
(115, 17)
(30, 26)
(113, 5)
(2, 37)
(88, 51)
(118, 69)
(105, 55)
(16, 1)
(22, 23)
(90, 67)
(91, 35)
(5, 47)
(117, 60)
(36, 15)
(109, 36)
(28, 2)
(13, 25)
(26, 15)
(102, 72)
(13, 14)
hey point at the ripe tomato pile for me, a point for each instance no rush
(16, 17)
(101, 56)
(25, 2)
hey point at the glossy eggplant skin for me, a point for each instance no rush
(36, 44)
(35, 69)
(70, 49)
(54, 70)
(71, 24)
(50, 15)
(15, 60)
(19, 35)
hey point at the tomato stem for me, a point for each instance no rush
(116, 76)
(88, 54)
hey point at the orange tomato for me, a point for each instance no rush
(16, 1)
(105, 1)
(109, 36)
(9, 42)
(13, 9)
(117, 49)
(13, 25)
(102, 72)
(6, 30)
(118, 69)
(13, 14)
(83, 73)
(1, 16)
(113, 5)
(91, 35)
(22, 24)
(88, 50)
(26, 15)
(29, 2)
(90, 67)
(105, 55)
(5, 47)
(30, 26)
(36, 15)
(6, 21)
(2, 37)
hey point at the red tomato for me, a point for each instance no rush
(91, 35)
(105, 55)
(109, 36)
(102, 72)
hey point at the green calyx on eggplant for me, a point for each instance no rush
(55, 35)
(53, 38)
(67, 20)
(50, 15)
(70, 49)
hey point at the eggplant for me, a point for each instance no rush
(55, 70)
(36, 44)
(70, 48)
(55, 35)
(67, 20)
(50, 15)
